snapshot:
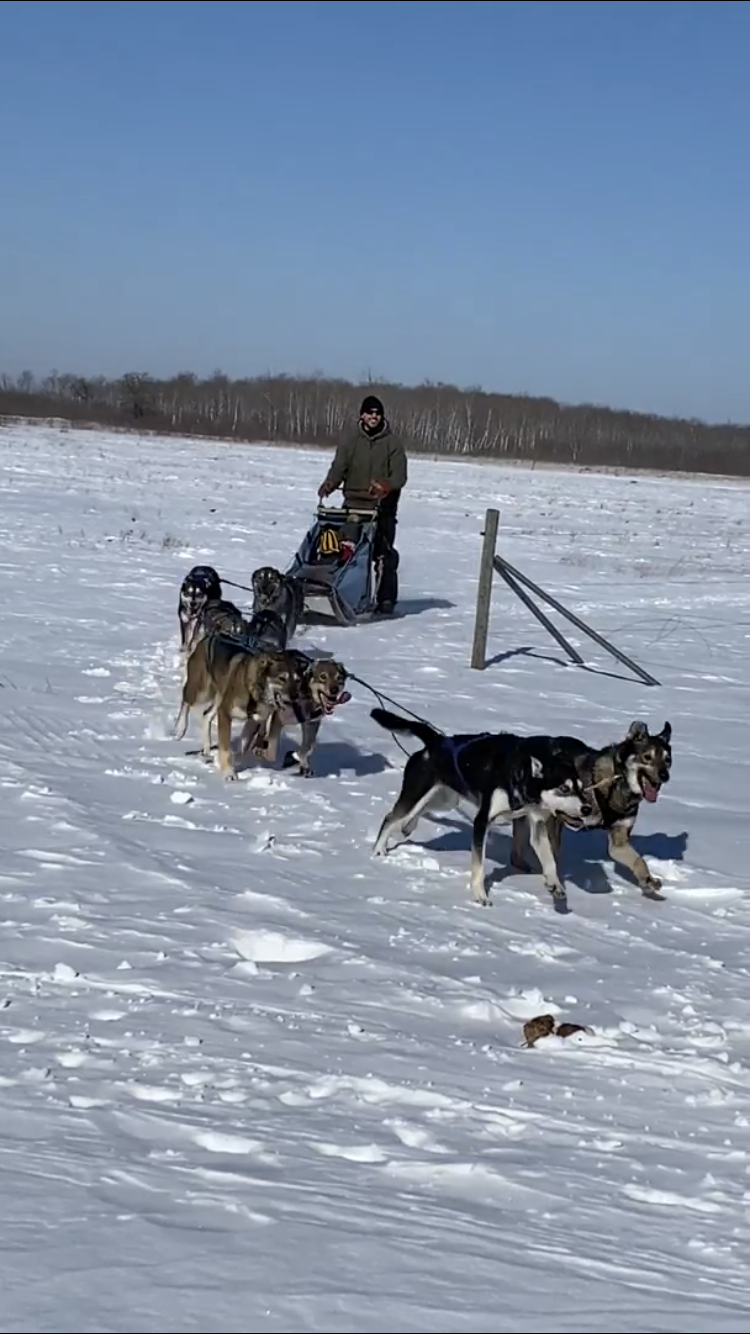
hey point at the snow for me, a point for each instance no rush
(253, 1079)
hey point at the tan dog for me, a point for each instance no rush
(321, 691)
(232, 682)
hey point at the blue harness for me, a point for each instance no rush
(453, 747)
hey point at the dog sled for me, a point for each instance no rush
(335, 565)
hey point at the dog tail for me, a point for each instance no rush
(392, 722)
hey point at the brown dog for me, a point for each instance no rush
(232, 682)
(617, 778)
(321, 691)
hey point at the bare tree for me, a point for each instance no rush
(439, 419)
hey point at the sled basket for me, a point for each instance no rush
(335, 563)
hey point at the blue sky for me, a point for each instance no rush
(544, 198)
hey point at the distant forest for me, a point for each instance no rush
(435, 419)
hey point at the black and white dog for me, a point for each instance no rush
(200, 586)
(203, 611)
(503, 776)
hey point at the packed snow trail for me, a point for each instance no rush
(253, 1079)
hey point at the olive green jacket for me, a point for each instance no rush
(364, 459)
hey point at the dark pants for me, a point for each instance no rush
(384, 549)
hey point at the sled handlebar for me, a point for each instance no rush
(344, 513)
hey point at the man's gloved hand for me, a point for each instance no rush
(380, 487)
(324, 490)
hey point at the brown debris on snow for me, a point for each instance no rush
(544, 1026)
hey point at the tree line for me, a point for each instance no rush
(438, 419)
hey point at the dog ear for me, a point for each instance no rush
(623, 751)
(537, 768)
(666, 733)
(637, 731)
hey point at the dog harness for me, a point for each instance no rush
(453, 747)
(311, 715)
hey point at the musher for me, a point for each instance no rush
(371, 469)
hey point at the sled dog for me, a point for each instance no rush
(322, 689)
(233, 683)
(266, 632)
(274, 591)
(617, 779)
(200, 585)
(503, 776)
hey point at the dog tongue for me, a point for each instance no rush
(343, 698)
(649, 791)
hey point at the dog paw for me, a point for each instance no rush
(651, 888)
(482, 898)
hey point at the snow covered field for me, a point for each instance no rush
(253, 1080)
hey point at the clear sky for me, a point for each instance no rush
(544, 198)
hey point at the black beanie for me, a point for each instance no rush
(372, 404)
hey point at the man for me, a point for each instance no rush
(371, 468)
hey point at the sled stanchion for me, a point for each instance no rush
(484, 591)
(491, 564)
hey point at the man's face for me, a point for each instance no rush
(372, 418)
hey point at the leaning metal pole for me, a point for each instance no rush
(540, 615)
(504, 568)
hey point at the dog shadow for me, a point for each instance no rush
(456, 837)
(334, 758)
(331, 759)
(585, 859)
(584, 856)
